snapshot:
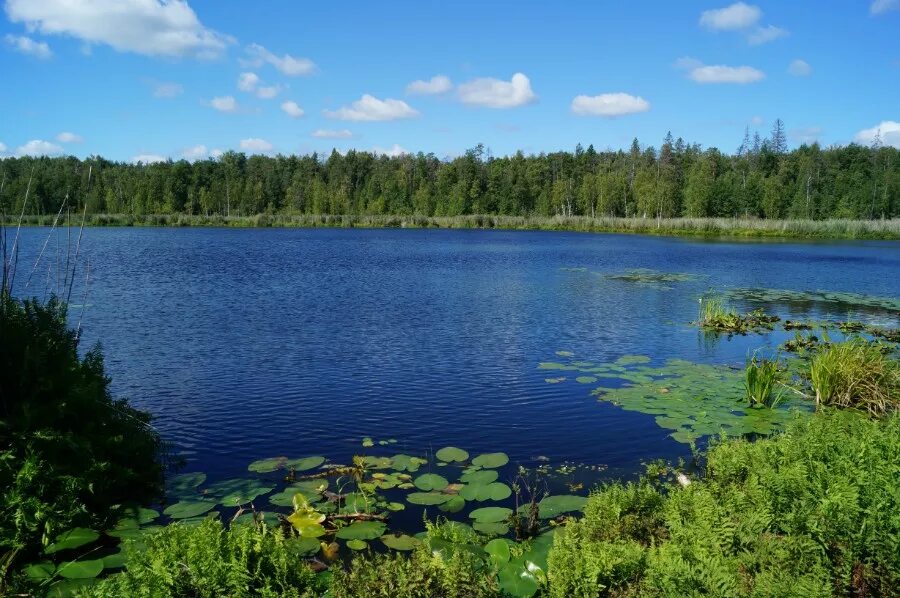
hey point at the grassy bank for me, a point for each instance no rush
(699, 227)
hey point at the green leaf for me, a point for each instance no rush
(498, 528)
(305, 463)
(401, 542)
(307, 546)
(451, 454)
(267, 465)
(491, 514)
(357, 544)
(80, 569)
(403, 462)
(115, 560)
(73, 538)
(454, 505)
(428, 498)
(518, 581)
(498, 552)
(39, 571)
(189, 508)
(484, 476)
(431, 481)
(185, 483)
(553, 506)
(361, 530)
(491, 460)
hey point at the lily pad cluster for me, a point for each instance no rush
(692, 400)
(653, 278)
(827, 299)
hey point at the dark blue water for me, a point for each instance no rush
(255, 343)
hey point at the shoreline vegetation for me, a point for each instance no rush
(831, 229)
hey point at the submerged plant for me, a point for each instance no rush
(761, 376)
(856, 374)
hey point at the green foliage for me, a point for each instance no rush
(761, 375)
(208, 561)
(811, 512)
(856, 374)
(70, 451)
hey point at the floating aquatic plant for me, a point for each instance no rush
(452, 454)
(826, 298)
(653, 278)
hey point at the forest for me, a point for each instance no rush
(762, 178)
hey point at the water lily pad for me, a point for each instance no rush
(305, 463)
(73, 538)
(632, 359)
(85, 569)
(484, 476)
(306, 546)
(185, 482)
(483, 492)
(367, 442)
(395, 506)
(515, 579)
(553, 506)
(452, 454)
(233, 493)
(430, 481)
(189, 508)
(454, 505)
(377, 462)
(498, 552)
(585, 379)
(357, 544)
(40, 571)
(66, 588)
(498, 528)
(362, 530)
(401, 542)
(408, 463)
(428, 498)
(491, 460)
(267, 465)
(115, 560)
(491, 514)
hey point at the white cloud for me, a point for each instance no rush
(38, 147)
(719, 73)
(799, 68)
(806, 135)
(26, 45)
(764, 35)
(882, 6)
(436, 85)
(609, 105)
(2, 148)
(371, 108)
(198, 152)
(149, 27)
(494, 93)
(737, 16)
(757, 121)
(216, 153)
(332, 134)
(254, 144)
(292, 109)
(248, 81)
(68, 137)
(149, 158)
(287, 64)
(268, 92)
(224, 104)
(393, 151)
(167, 90)
(888, 130)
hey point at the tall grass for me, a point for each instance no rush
(761, 377)
(856, 374)
(705, 227)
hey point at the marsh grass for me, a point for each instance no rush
(761, 377)
(703, 227)
(856, 374)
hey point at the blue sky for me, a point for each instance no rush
(151, 79)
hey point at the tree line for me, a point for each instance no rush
(762, 178)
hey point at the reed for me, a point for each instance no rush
(857, 374)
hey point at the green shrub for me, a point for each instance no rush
(70, 451)
(812, 512)
(856, 374)
(208, 561)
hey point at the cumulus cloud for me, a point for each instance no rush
(332, 134)
(26, 45)
(165, 89)
(198, 152)
(609, 105)
(292, 109)
(737, 16)
(887, 130)
(255, 144)
(248, 81)
(436, 85)
(39, 147)
(764, 35)
(149, 27)
(799, 68)
(289, 65)
(148, 158)
(371, 108)
(2, 148)
(69, 137)
(216, 153)
(393, 151)
(495, 93)
(268, 92)
(719, 73)
(882, 6)
(224, 104)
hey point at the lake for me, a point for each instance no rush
(252, 343)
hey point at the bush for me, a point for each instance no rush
(812, 512)
(70, 451)
(856, 374)
(208, 561)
